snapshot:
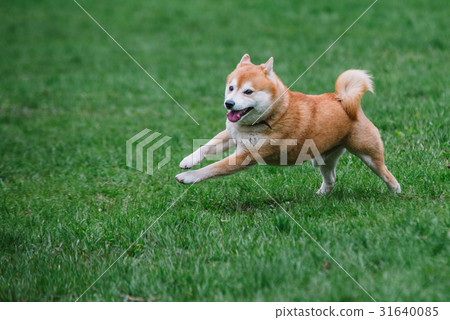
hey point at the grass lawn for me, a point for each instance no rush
(69, 206)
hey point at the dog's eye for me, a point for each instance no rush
(231, 88)
(248, 92)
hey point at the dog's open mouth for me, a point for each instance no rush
(234, 116)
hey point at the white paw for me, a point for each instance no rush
(188, 177)
(190, 161)
(396, 190)
(324, 190)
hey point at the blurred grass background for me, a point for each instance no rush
(70, 98)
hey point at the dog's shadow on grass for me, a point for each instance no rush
(307, 201)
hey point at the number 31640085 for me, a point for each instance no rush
(409, 311)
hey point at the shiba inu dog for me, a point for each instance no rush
(269, 124)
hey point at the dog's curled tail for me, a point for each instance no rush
(350, 87)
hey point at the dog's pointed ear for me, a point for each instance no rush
(245, 59)
(268, 66)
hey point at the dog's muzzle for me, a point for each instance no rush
(229, 104)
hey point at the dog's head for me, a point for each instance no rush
(251, 91)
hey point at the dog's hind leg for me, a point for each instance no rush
(328, 170)
(220, 143)
(376, 163)
(365, 143)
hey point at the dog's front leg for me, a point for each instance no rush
(220, 143)
(232, 164)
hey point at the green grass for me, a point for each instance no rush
(69, 206)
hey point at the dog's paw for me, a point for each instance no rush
(324, 190)
(188, 177)
(190, 161)
(396, 189)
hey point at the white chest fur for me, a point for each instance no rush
(245, 135)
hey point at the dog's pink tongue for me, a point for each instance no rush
(234, 116)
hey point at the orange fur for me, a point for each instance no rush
(350, 87)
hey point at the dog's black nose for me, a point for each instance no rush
(229, 104)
